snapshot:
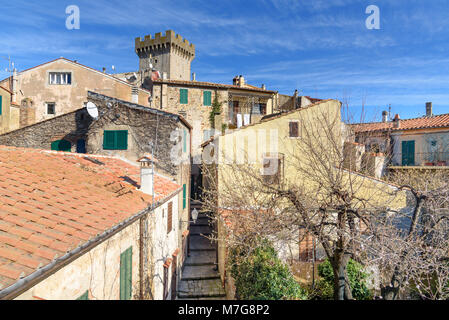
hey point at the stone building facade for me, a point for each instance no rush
(60, 86)
(9, 112)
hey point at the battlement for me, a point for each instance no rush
(169, 38)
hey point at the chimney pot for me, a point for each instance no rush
(193, 76)
(147, 173)
(384, 116)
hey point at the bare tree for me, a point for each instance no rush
(312, 192)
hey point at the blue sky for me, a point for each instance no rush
(321, 47)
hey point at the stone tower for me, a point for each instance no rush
(168, 54)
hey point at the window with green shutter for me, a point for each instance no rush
(408, 153)
(183, 96)
(126, 274)
(84, 296)
(184, 140)
(61, 145)
(207, 98)
(184, 196)
(1, 105)
(115, 140)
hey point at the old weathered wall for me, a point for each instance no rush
(34, 84)
(97, 271)
(70, 127)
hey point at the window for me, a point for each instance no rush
(1, 104)
(126, 274)
(61, 145)
(115, 140)
(273, 168)
(183, 96)
(60, 78)
(207, 98)
(408, 153)
(184, 196)
(184, 140)
(51, 108)
(293, 129)
(84, 296)
(169, 217)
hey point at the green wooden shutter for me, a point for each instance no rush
(108, 140)
(408, 153)
(84, 296)
(184, 194)
(185, 141)
(183, 96)
(61, 145)
(1, 104)
(207, 98)
(126, 274)
(122, 139)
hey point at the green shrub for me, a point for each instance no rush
(262, 276)
(324, 288)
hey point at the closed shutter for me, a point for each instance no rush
(294, 132)
(183, 96)
(1, 105)
(169, 216)
(115, 140)
(408, 153)
(122, 139)
(184, 194)
(184, 140)
(108, 140)
(207, 98)
(126, 274)
(61, 145)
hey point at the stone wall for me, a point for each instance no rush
(71, 127)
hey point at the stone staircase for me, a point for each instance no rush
(200, 280)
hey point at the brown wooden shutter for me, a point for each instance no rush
(294, 132)
(169, 216)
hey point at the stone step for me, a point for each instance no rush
(200, 258)
(197, 229)
(204, 272)
(200, 289)
(200, 243)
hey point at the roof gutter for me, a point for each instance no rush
(31, 280)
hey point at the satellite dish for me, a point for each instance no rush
(92, 110)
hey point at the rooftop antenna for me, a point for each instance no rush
(389, 111)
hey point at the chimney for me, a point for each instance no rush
(397, 121)
(193, 76)
(241, 81)
(429, 111)
(147, 174)
(104, 70)
(264, 87)
(384, 116)
(164, 75)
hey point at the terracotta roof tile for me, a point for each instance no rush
(439, 121)
(53, 202)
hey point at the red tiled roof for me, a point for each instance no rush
(439, 121)
(53, 202)
(212, 84)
